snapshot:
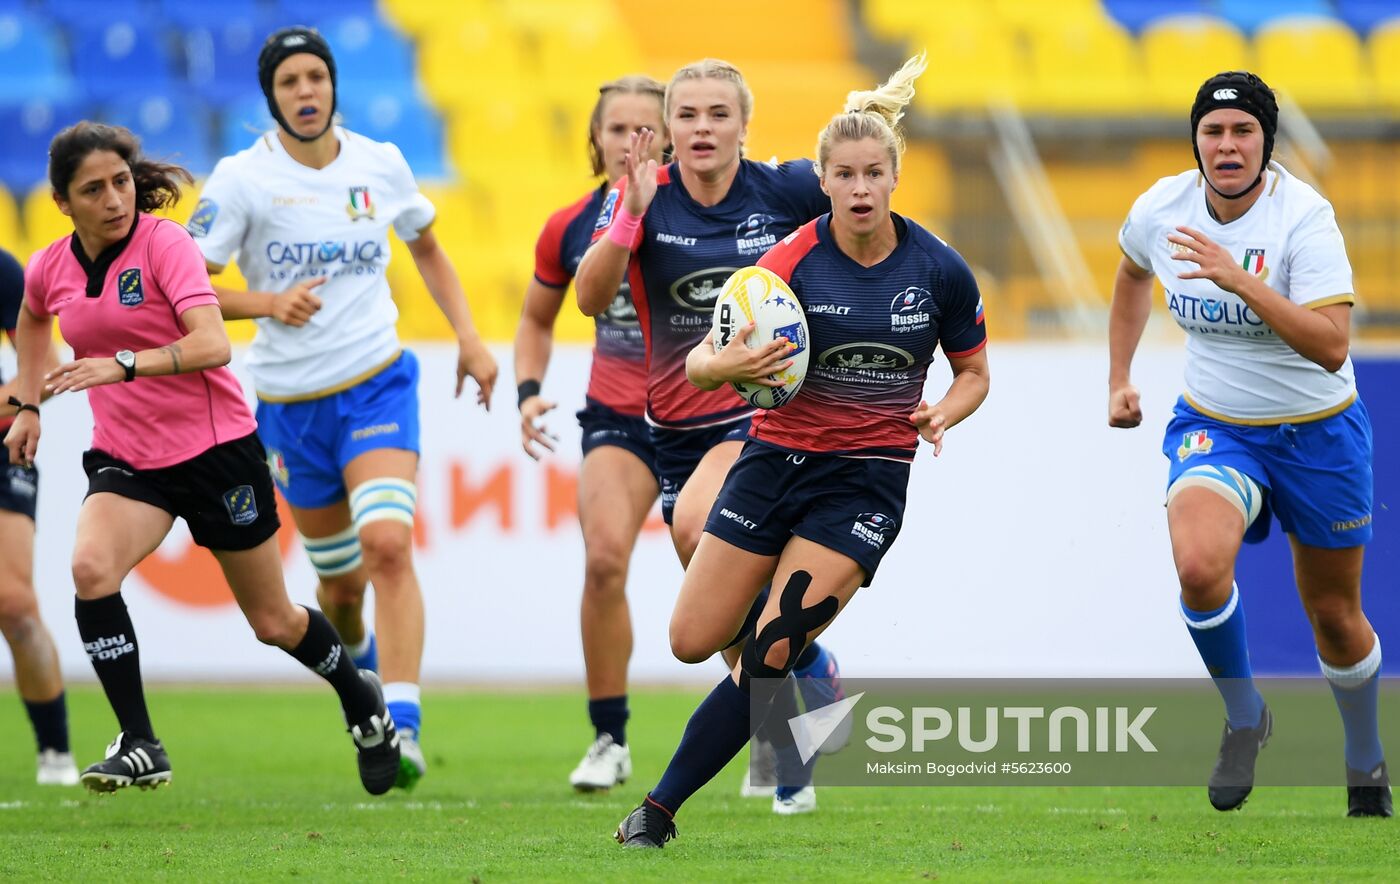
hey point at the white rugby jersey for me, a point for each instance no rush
(285, 223)
(1237, 368)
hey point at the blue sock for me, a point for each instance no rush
(609, 716)
(806, 664)
(717, 730)
(1220, 640)
(366, 653)
(1357, 690)
(403, 700)
(50, 720)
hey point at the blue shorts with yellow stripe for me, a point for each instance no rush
(310, 442)
(1316, 475)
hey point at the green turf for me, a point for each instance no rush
(265, 788)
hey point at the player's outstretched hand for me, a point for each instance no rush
(476, 361)
(1214, 262)
(931, 423)
(531, 433)
(82, 374)
(641, 177)
(298, 304)
(735, 362)
(1124, 407)
(22, 441)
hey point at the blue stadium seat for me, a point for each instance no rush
(404, 119)
(97, 13)
(242, 121)
(369, 52)
(173, 127)
(1248, 15)
(305, 12)
(222, 58)
(121, 58)
(31, 59)
(191, 14)
(1363, 15)
(29, 127)
(1138, 14)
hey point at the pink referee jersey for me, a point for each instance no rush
(131, 298)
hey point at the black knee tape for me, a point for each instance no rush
(751, 618)
(792, 623)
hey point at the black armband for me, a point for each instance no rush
(23, 406)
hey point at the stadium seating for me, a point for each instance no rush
(368, 52)
(1135, 15)
(28, 128)
(121, 57)
(1089, 65)
(1364, 15)
(173, 127)
(1384, 48)
(1317, 61)
(31, 59)
(221, 58)
(1248, 15)
(1180, 53)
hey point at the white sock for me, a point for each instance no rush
(403, 692)
(362, 647)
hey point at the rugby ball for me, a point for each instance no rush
(760, 296)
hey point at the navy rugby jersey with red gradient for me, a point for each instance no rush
(681, 257)
(618, 376)
(872, 332)
(11, 297)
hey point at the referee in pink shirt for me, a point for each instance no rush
(172, 437)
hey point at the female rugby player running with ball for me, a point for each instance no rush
(840, 450)
(172, 437)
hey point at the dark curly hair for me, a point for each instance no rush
(157, 184)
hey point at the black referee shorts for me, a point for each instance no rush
(224, 494)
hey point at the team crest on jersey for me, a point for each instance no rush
(203, 218)
(909, 311)
(605, 214)
(1254, 261)
(241, 504)
(751, 235)
(129, 290)
(360, 205)
(1194, 442)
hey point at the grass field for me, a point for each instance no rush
(265, 788)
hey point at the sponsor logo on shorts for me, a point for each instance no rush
(109, 647)
(203, 218)
(241, 504)
(1194, 442)
(1351, 524)
(277, 465)
(873, 528)
(375, 430)
(22, 482)
(735, 517)
(129, 290)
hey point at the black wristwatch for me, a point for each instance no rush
(127, 360)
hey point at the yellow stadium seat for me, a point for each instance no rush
(901, 20)
(420, 17)
(1034, 15)
(469, 61)
(971, 65)
(1181, 53)
(1087, 66)
(1317, 61)
(11, 232)
(43, 222)
(1384, 46)
(741, 31)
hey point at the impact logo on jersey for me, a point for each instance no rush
(908, 310)
(1194, 442)
(605, 214)
(873, 528)
(202, 220)
(360, 205)
(129, 290)
(241, 504)
(751, 235)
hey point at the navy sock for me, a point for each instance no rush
(110, 642)
(609, 716)
(50, 720)
(717, 730)
(1357, 690)
(1220, 639)
(320, 651)
(793, 774)
(805, 661)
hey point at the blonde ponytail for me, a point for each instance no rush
(874, 114)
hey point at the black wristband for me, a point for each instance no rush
(525, 390)
(23, 406)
